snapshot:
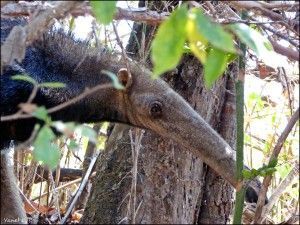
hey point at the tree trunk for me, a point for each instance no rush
(15, 214)
(170, 186)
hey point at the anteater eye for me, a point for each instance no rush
(156, 109)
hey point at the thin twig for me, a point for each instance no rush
(280, 189)
(288, 89)
(62, 105)
(285, 37)
(125, 57)
(135, 149)
(258, 7)
(62, 186)
(24, 198)
(29, 100)
(80, 189)
(55, 195)
(274, 156)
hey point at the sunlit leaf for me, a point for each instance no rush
(24, 78)
(199, 51)
(267, 171)
(72, 145)
(168, 45)
(104, 11)
(72, 23)
(52, 85)
(206, 30)
(247, 174)
(215, 65)
(87, 132)
(283, 170)
(41, 113)
(254, 40)
(44, 148)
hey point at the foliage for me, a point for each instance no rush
(211, 43)
(166, 47)
(262, 171)
(104, 10)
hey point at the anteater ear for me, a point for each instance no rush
(125, 78)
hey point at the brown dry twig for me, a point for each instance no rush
(274, 156)
(20, 37)
(281, 188)
(258, 7)
(80, 189)
(155, 18)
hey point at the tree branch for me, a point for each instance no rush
(288, 52)
(274, 156)
(145, 16)
(257, 6)
(281, 188)
(20, 37)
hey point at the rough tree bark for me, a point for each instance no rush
(172, 186)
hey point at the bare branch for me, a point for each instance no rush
(286, 5)
(149, 17)
(274, 156)
(288, 52)
(281, 188)
(20, 37)
(258, 7)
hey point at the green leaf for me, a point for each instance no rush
(24, 78)
(199, 51)
(41, 113)
(72, 23)
(231, 57)
(104, 11)
(215, 65)
(72, 145)
(44, 148)
(87, 132)
(168, 45)
(52, 85)
(283, 170)
(186, 49)
(114, 78)
(212, 32)
(266, 171)
(254, 40)
(245, 34)
(273, 163)
(247, 174)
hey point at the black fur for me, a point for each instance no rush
(56, 57)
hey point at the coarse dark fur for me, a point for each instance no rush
(56, 57)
